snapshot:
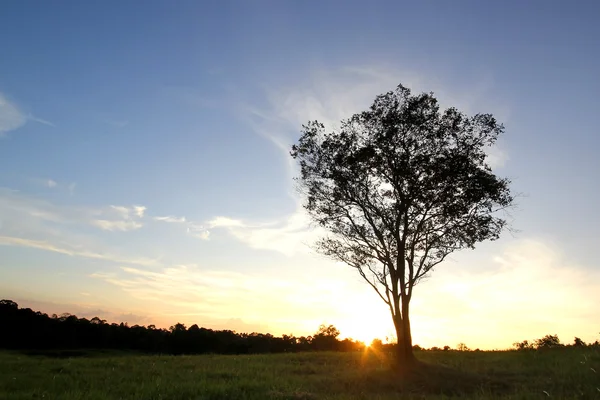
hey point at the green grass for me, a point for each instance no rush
(564, 373)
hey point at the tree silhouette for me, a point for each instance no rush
(326, 338)
(462, 347)
(548, 342)
(398, 188)
(24, 329)
(328, 331)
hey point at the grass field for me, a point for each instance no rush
(568, 373)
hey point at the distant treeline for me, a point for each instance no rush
(550, 342)
(25, 329)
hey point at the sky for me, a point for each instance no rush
(145, 173)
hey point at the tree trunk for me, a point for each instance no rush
(404, 351)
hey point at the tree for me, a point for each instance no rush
(548, 342)
(328, 331)
(398, 188)
(524, 345)
(462, 347)
(326, 338)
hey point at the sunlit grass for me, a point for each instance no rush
(563, 373)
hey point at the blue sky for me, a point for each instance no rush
(145, 175)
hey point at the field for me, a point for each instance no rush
(567, 373)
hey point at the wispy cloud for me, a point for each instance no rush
(328, 96)
(40, 120)
(202, 294)
(171, 219)
(128, 212)
(123, 226)
(225, 222)
(71, 251)
(331, 96)
(198, 231)
(28, 221)
(289, 236)
(192, 228)
(123, 218)
(11, 117)
(54, 184)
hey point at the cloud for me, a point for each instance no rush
(289, 236)
(123, 218)
(129, 212)
(201, 295)
(40, 120)
(330, 96)
(27, 221)
(171, 219)
(54, 184)
(123, 226)
(497, 156)
(139, 211)
(74, 251)
(197, 231)
(193, 229)
(11, 117)
(203, 235)
(336, 94)
(225, 222)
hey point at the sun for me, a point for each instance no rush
(365, 331)
(364, 318)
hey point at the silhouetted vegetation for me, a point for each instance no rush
(398, 188)
(550, 342)
(25, 329)
(65, 335)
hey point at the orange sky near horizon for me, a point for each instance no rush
(516, 298)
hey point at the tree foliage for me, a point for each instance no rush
(398, 188)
